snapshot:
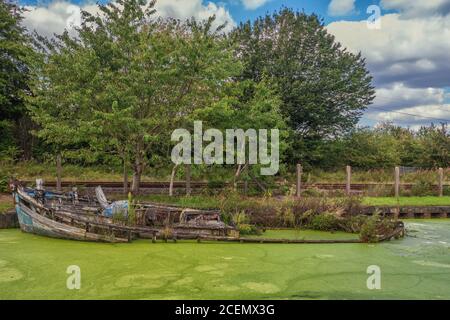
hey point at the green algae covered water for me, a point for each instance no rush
(417, 267)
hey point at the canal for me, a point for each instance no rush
(416, 267)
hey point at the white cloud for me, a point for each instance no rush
(185, 9)
(411, 9)
(415, 51)
(341, 7)
(58, 15)
(253, 4)
(399, 96)
(417, 115)
(409, 58)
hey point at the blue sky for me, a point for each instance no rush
(409, 56)
(319, 7)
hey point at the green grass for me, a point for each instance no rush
(202, 202)
(408, 201)
(34, 267)
(197, 202)
(5, 206)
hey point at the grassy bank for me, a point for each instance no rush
(407, 201)
(6, 203)
(202, 202)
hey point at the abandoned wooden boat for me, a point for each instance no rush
(68, 216)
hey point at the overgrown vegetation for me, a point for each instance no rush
(251, 215)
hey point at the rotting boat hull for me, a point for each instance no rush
(32, 221)
(65, 222)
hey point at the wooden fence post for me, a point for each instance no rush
(299, 180)
(245, 187)
(348, 186)
(58, 172)
(441, 182)
(188, 179)
(397, 182)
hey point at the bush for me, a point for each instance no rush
(313, 192)
(248, 229)
(240, 218)
(241, 221)
(422, 187)
(446, 191)
(374, 227)
(369, 229)
(4, 183)
(324, 222)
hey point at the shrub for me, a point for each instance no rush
(313, 192)
(374, 227)
(240, 218)
(248, 229)
(324, 222)
(446, 191)
(286, 217)
(369, 229)
(4, 181)
(423, 187)
(241, 221)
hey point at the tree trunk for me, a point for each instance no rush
(138, 168)
(25, 139)
(239, 170)
(58, 172)
(125, 177)
(172, 177)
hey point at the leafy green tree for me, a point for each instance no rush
(128, 79)
(247, 105)
(323, 87)
(16, 53)
(435, 143)
(372, 148)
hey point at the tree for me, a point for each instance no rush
(16, 53)
(247, 105)
(435, 143)
(323, 87)
(128, 79)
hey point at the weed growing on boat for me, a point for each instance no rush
(242, 222)
(375, 227)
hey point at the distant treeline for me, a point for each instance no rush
(113, 90)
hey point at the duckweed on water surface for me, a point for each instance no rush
(417, 267)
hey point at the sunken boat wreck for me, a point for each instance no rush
(68, 216)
